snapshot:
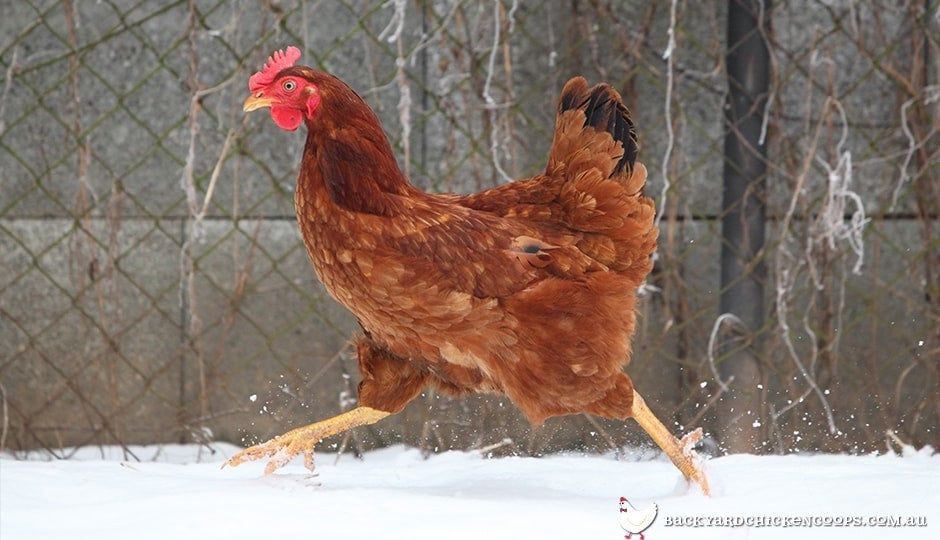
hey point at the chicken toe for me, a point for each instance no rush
(680, 452)
(283, 448)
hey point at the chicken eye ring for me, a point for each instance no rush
(289, 85)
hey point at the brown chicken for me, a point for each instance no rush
(527, 290)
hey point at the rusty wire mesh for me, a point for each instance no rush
(155, 287)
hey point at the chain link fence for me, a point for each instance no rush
(155, 287)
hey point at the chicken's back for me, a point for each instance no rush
(592, 185)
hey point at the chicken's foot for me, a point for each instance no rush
(284, 448)
(679, 451)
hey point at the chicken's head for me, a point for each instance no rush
(286, 89)
(625, 505)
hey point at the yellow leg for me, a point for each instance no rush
(284, 447)
(680, 452)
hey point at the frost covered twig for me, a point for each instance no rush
(786, 272)
(187, 181)
(773, 68)
(784, 285)
(187, 289)
(931, 95)
(488, 97)
(830, 224)
(669, 56)
(485, 450)
(731, 317)
(8, 84)
(404, 101)
(226, 146)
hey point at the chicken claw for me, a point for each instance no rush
(688, 442)
(679, 451)
(283, 448)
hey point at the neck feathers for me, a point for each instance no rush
(348, 153)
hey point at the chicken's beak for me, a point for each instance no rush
(253, 103)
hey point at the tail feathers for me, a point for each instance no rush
(602, 109)
(593, 155)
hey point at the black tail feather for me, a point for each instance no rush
(604, 110)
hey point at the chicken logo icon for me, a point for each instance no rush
(636, 521)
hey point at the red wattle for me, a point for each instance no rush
(287, 118)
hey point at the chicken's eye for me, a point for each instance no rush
(289, 85)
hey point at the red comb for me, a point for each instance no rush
(278, 61)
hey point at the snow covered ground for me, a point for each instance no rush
(176, 493)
